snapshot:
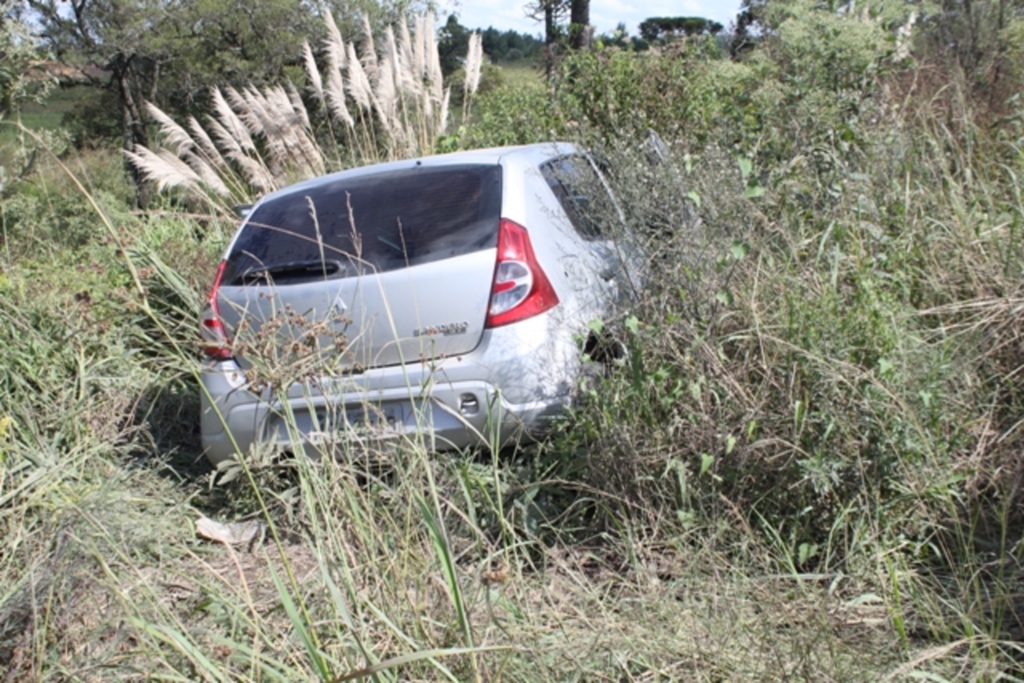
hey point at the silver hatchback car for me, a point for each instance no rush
(445, 298)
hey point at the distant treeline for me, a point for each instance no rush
(499, 46)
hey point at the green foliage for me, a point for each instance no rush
(174, 58)
(514, 115)
(613, 93)
(491, 78)
(20, 80)
(829, 53)
(368, 105)
(499, 46)
(827, 326)
(509, 46)
(44, 215)
(660, 28)
(810, 371)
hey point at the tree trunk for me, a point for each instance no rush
(550, 35)
(133, 124)
(579, 24)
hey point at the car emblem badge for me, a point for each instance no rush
(447, 330)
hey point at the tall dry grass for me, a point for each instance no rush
(382, 101)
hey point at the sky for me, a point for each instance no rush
(605, 15)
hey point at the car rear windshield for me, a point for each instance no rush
(370, 223)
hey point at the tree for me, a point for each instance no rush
(453, 44)
(663, 28)
(171, 51)
(750, 15)
(758, 18)
(114, 33)
(761, 19)
(19, 56)
(551, 12)
(579, 24)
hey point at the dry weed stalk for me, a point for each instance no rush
(474, 65)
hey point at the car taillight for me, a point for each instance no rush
(521, 290)
(216, 344)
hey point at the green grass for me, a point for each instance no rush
(522, 74)
(40, 120)
(46, 115)
(574, 561)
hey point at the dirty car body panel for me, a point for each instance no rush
(442, 298)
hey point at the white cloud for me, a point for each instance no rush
(604, 14)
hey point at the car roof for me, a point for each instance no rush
(534, 154)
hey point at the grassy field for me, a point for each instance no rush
(46, 115)
(43, 118)
(807, 467)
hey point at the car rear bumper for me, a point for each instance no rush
(379, 407)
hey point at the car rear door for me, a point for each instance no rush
(370, 269)
(596, 268)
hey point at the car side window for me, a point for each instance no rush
(582, 195)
